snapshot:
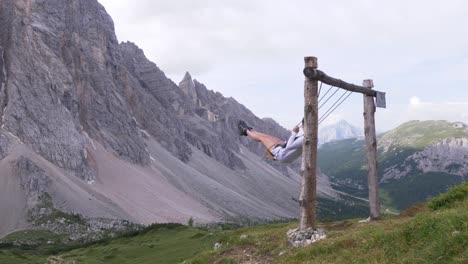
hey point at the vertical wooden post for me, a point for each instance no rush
(371, 152)
(309, 153)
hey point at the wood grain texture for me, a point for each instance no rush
(321, 76)
(371, 151)
(309, 153)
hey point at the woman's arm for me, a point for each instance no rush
(294, 142)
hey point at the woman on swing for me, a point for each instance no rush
(285, 152)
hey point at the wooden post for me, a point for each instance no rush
(371, 152)
(309, 153)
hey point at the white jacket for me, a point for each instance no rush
(292, 151)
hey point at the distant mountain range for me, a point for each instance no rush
(337, 131)
(417, 160)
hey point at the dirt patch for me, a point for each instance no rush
(59, 260)
(336, 226)
(412, 211)
(244, 255)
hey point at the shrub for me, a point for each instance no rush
(455, 194)
(6, 245)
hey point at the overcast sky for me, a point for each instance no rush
(252, 50)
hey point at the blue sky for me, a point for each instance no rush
(416, 51)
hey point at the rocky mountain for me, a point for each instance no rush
(337, 131)
(417, 160)
(91, 127)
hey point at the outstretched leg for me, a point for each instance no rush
(267, 140)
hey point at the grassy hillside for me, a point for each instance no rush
(420, 134)
(345, 162)
(166, 243)
(437, 233)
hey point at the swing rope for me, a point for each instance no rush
(328, 113)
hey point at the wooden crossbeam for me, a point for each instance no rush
(319, 75)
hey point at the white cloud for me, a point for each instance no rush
(451, 111)
(252, 50)
(414, 101)
(259, 29)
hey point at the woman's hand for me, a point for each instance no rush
(295, 129)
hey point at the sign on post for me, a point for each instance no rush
(380, 100)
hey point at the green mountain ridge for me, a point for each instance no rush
(345, 163)
(421, 134)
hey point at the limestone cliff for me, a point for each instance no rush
(102, 131)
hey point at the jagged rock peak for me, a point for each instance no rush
(129, 43)
(131, 47)
(187, 77)
(201, 88)
(337, 131)
(187, 85)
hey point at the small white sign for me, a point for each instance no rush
(380, 100)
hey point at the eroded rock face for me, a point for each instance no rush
(220, 116)
(60, 60)
(3, 78)
(449, 155)
(187, 114)
(67, 86)
(34, 180)
(66, 81)
(4, 146)
(157, 103)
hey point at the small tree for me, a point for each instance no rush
(190, 222)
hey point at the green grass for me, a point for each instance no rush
(32, 235)
(432, 236)
(425, 239)
(161, 245)
(9, 256)
(446, 200)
